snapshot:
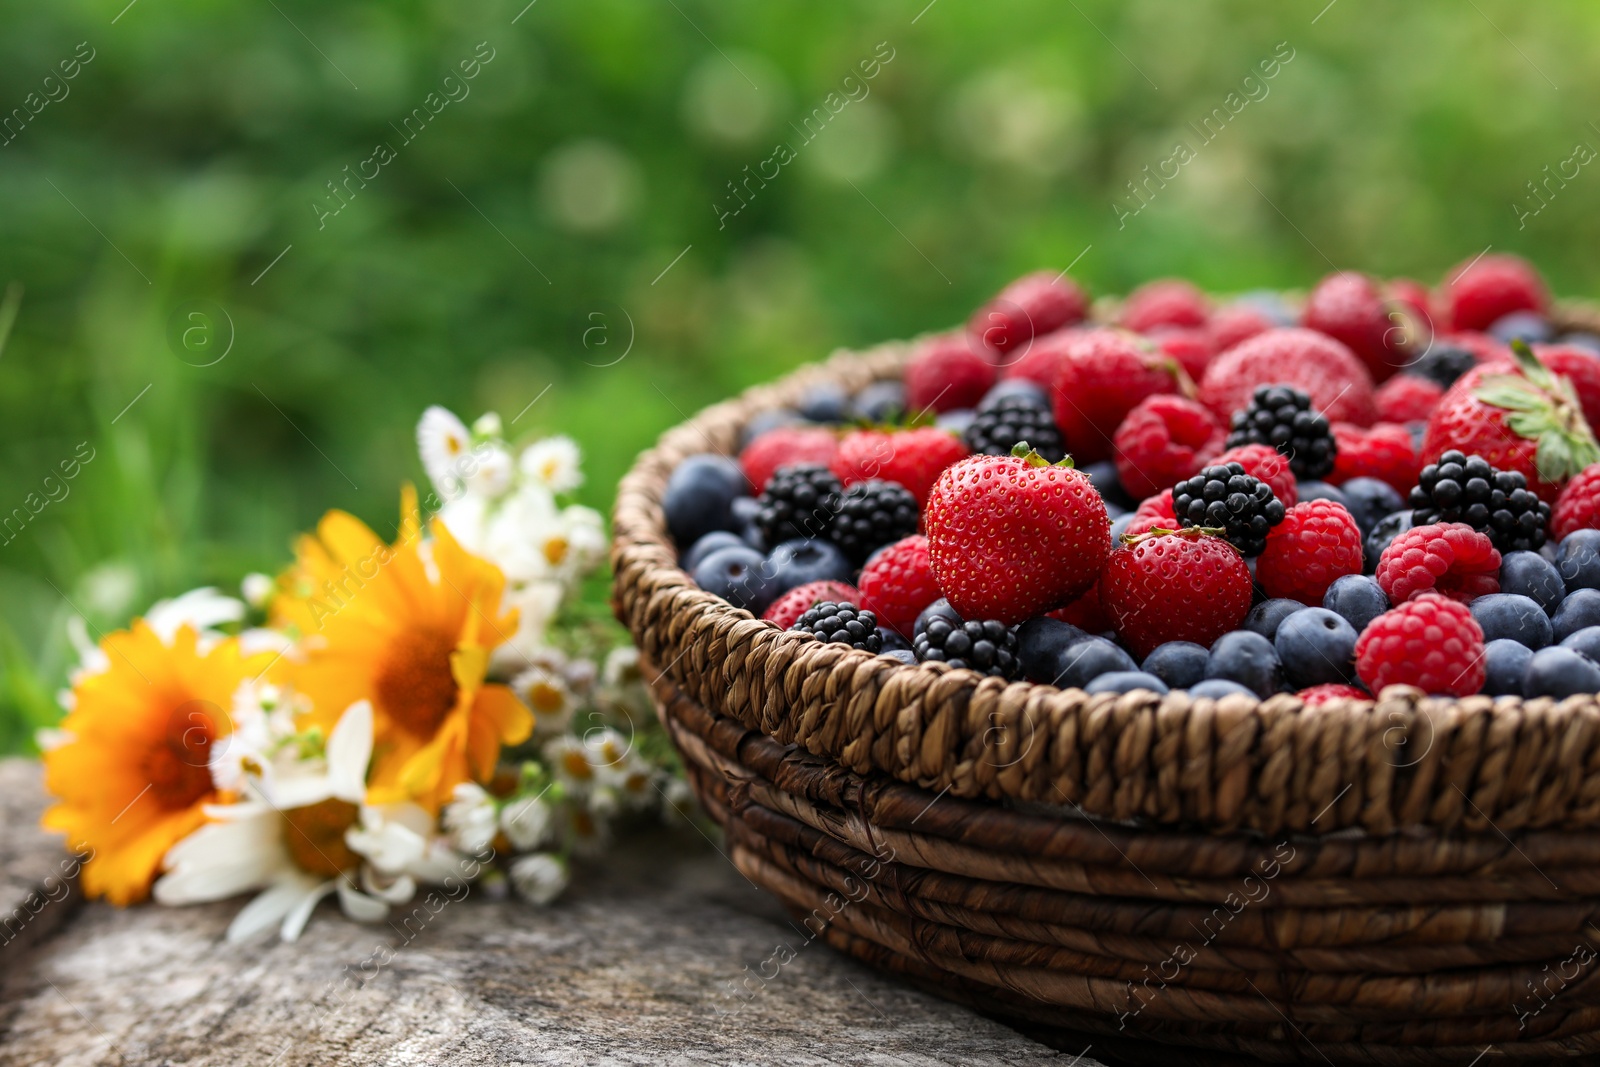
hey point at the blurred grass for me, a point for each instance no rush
(591, 151)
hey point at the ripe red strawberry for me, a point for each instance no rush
(1578, 506)
(1234, 324)
(1431, 642)
(1518, 417)
(1011, 538)
(1449, 558)
(1033, 305)
(1314, 363)
(1041, 360)
(948, 372)
(1582, 369)
(1269, 465)
(1188, 585)
(1383, 451)
(762, 457)
(1156, 511)
(1087, 613)
(1317, 542)
(1165, 302)
(1414, 298)
(1105, 375)
(1163, 441)
(1482, 290)
(1319, 695)
(1350, 308)
(914, 458)
(1406, 398)
(897, 583)
(788, 608)
(1190, 346)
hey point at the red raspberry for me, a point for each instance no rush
(1450, 558)
(1482, 290)
(1324, 369)
(1032, 306)
(1414, 297)
(1431, 642)
(1317, 542)
(1086, 613)
(1166, 302)
(914, 458)
(1383, 451)
(1163, 441)
(1319, 695)
(1105, 375)
(1013, 538)
(1580, 367)
(1269, 465)
(1235, 324)
(898, 583)
(762, 457)
(947, 373)
(1041, 361)
(1184, 586)
(1349, 308)
(1191, 347)
(1578, 506)
(1404, 398)
(1152, 513)
(787, 609)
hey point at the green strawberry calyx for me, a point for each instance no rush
(1192, 533)
(1024, 451)
(1542, 407)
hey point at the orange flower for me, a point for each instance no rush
(409, 627)
(135, 776)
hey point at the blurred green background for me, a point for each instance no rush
(570, 203)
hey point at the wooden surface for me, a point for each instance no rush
(634, 966)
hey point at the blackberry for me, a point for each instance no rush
(1442, 364)
(988, 647)
(1010, 420)
(872, 514)
(800, 500)
(1281, 417)
(1463, 488)
(844, 623)
(1225, 497)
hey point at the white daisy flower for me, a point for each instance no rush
(471, 819)
(257, 590)
(467, 519)
(553, 462)
(489, 471)
(488, 426)
(539, 878)
(586, 833)
(536, 604)
(526, 822)
(399, 841)
(548, 696)
(568, 759)
(513, 534)
(202, 610)
(443, 441)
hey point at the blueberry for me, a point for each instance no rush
(1551, 552)
(1119, 526)
(699, 496)
(1314, 490)
(1217, 688)
(824, 403)
(1587, 341)
(1103, 476)
(904, 655)
(1267, 616)
(706, 545)
(745, 510)
(1126, 682)
(1370, 500)
(1531, 575)
(1529, 326)
(795, 563)
(879, 402)
(955, 421)
(1511, 615)
(1113, 512)
(1039, 644)
(1506, 664)
(939, 609)
(1586, 640)
(1081, 662)
(1246, 657)
(1014, 387)
(1579, 610)
(763, 421)
(739, 576)
(1357, 597)
(893, 642)
(1389, 527)
(1316, 647)
(1578, 560)
(1560, 672)
(1180, 664)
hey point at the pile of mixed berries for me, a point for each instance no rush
(1381, 485)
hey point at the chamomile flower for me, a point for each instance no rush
(400, 842)
(443, 441)
(554, 463)
(526, 821)
(546, 692)
(489, 471)
(539, 878)
(257, 590)
(470, 819)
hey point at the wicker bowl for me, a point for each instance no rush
(1173, 880)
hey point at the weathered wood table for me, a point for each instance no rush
(634, 966)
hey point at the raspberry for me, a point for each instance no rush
(1269, 465)
(1000, 426)
(801, 500)
(1491, 286)
(1317, 542)
(1462, 488)
(947, 373)
(1103, 377)
(1282, 416)
(842, 623)
(1406, 398)
(987, 646)
(1315, 364)
(914, 458)
(1032, 306)
(1384, 452)
(1580, 367)
(1349, 308)
(1318, 695)
(1578, 506)
(1234, 324)
(1190, 346)
(1449, 558)
(871, 514)
(1185, 586)
(787, 609)
(1414, 298)
(1151, 513)
(1431, 642)
(1167, 302)
(786, 445)
(1163, 441)
(1227, 498)
(898, 583)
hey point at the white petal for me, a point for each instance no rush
(349, 749)
(295, 921)
(202, 609)
(359, 906)
(399, 891)
(266, 909)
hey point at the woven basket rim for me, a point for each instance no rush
(1273, 766)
